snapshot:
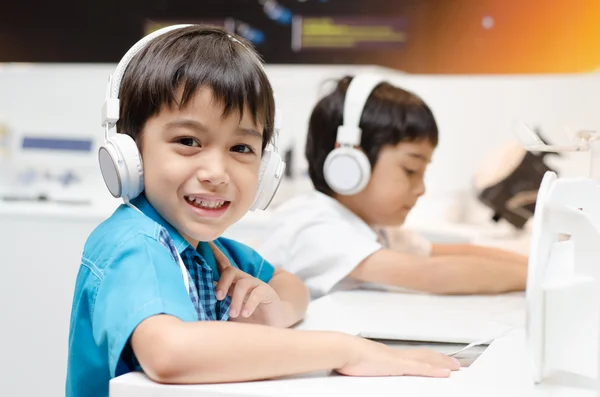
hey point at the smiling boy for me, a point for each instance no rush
(158, 290)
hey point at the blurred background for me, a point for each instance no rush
(481, 65)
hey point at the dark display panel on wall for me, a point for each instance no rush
(284, 31)
(419, 36)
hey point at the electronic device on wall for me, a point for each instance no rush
(119, 157)
(49, 167)
(347, 169)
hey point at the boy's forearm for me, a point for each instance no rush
(456, 274)
(247, 352)
(214, 352)
(480, 251)
(449, 274)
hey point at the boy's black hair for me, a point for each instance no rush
(391, 115)
(173, 66)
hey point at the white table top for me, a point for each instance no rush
(416, 317)
(500, 371)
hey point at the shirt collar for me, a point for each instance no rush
(142, 203)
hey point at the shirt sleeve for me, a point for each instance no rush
(323, 253)
(246, 259)
(141, 280)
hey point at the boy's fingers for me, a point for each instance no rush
(221, 258)
(419, 368)
(227, 279)
(252, 301)
(241, 289)
(433, 358)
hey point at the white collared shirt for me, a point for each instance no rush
(321, 241)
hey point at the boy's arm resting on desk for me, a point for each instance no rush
(442, 274)
(172, 351)
(155, 316)
(479, 251)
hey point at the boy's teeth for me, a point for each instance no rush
(206, 203)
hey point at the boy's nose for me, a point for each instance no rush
(213, 170)
(419, 189)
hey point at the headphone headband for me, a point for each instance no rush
(357, 94)
(115, 85)
(110, 110)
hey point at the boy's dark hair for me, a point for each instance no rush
(191, 58)
(391, 115)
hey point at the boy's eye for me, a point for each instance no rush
(242, 149)
(188, 142)
(410, 172)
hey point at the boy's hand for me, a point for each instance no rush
(250, 297)
(376, 359)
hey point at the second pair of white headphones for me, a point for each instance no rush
(119, 157)
(347, 169)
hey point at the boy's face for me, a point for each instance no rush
(395, 185)
(200, 168)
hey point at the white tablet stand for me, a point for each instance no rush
(563, 285)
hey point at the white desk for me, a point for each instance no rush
(417, 317)
(500, 371)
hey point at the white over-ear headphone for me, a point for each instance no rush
(347, 169)
(119, 157)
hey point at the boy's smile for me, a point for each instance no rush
(201, 166)
(209, 206)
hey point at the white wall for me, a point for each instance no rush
(474, 113)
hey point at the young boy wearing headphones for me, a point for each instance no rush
(158, 290)
(368, 146)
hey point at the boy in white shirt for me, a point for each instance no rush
(368, 146)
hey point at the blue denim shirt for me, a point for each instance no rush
(129, 271)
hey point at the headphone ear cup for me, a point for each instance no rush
(121, 167)
(270, 174)
(347, 170)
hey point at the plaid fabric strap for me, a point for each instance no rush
(201, 283)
